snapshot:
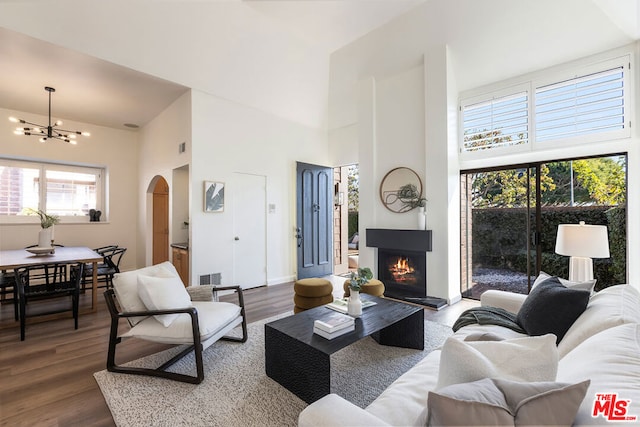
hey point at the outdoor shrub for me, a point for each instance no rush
(500, 242)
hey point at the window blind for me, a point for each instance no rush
(498, 122)
(588, 104)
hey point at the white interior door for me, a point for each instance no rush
(250, 230)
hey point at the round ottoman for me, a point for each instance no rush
(310, 293)
(374, 287)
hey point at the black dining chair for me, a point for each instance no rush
(9, 290)
(33, 284)
(111, 255)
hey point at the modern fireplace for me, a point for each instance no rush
(402, 264)
(404, 273)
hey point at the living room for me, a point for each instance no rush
(384, 100)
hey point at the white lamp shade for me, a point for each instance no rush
(582, 240)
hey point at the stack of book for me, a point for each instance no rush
(333, 326)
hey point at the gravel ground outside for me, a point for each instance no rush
(504, 280)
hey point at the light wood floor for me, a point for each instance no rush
(47, 379)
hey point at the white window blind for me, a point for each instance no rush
(498, 122)
(588, 104)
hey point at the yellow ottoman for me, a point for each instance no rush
(310, 293)
(374, 287)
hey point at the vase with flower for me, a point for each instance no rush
(45, 236)
(356, 281)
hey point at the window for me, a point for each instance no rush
(64, 190)
(584, 105)
(570, 107)
(499, 122)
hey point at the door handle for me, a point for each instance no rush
(236, 238)
(299, 236)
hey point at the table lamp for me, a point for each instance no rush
(582, 242)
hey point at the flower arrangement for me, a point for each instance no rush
(360, 278)
(46, 220)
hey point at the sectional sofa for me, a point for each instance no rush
(598, 360)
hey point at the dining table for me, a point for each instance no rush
(16, 258)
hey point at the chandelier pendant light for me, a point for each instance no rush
(50, 131)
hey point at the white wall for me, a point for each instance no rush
(381, 69)
(114, 149)
(159, 156)
(228, 138)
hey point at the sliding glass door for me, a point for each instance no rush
(510, 217)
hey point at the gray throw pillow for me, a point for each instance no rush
(551, 308)
(492, 402)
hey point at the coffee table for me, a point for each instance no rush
(300, 360)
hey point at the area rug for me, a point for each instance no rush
(236, 390)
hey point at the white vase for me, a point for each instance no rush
(422, 218)
(354, 305)
(44, 237)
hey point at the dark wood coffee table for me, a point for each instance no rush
(300, 360)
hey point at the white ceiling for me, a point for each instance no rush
(275, 55)
(94, 91)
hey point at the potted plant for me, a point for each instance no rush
(412, 199)
(357, 280)
(45, 237)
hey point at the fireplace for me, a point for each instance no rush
(404, 273)
(402, 264)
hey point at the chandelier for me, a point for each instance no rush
(50, 131)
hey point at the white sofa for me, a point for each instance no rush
(602, 345)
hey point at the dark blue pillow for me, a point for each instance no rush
(551, 308)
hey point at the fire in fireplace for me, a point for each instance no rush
(403, 273)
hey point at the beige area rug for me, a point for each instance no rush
(237, 392)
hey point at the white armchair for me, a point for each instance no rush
(159, 309)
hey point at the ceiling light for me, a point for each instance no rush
(50, 131)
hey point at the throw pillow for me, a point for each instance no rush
(163, 293)
(587, 285)
(125, 286)
(551, 308)
(518, 359)
(501, 402)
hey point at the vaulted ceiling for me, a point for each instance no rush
(273, 55)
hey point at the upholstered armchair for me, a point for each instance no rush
(158, 308)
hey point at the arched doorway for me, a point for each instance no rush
(160, 215)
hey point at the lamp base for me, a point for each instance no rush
(580, 269)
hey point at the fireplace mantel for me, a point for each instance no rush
(411, 240)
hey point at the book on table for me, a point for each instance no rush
(334, 322)
(340, 305)
(332, 335)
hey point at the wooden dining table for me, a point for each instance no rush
(11, 259)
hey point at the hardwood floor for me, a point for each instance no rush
(47, 379)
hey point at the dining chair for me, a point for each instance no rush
(8, 287)
(33, 285)
(59, 271)
(110, 265)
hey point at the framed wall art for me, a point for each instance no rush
(213, 196)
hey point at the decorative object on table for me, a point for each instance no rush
(357, 280)
(50, 131)
(213, 196)
(45, 236)
(334, 326)
(582, 242)
(398, 187)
